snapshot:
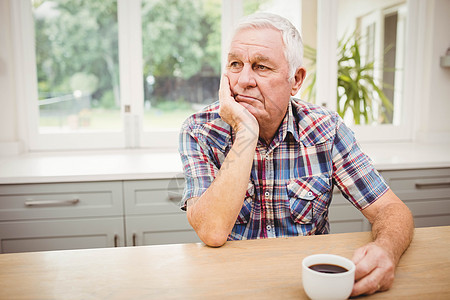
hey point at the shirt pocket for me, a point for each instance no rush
(244, 214)
(302, 193)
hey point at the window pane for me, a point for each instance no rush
(370, 61)
(181, 49)
(77, 65)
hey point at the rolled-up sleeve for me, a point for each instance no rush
(198, 168)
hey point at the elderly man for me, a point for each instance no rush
(261, 164)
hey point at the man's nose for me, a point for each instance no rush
(247, 77)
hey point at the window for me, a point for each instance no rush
(371, 57)
(181, 54)
(118, 73)
(382, 39)
(77, 66)
(379, 30)
(126, 73)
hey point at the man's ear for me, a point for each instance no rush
(299, 76)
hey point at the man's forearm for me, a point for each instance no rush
(393, 229)
(213, 214)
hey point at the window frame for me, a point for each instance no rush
(377, 18)
(402, 132)
(131, 85)
(26, 77)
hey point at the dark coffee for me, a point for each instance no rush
(328, 268)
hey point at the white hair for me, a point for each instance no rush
(293, 45)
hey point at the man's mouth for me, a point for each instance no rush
(245, 98)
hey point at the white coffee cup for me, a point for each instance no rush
(329, 286)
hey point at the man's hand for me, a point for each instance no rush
(233, 113)
(392, 231)
(375, 269)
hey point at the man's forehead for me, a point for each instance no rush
(262, 37)
(264, 43)
(255, 56)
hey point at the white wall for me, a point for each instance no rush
(435, 123)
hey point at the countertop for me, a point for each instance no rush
(249, 269)
(139, 164)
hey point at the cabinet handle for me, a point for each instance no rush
(51, 202)
(174, 197)
(134, 239)
(116, 240)
(432, 185)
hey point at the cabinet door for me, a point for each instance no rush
(157, 230)
(425, 191)
(344, 217)
(60, 200)
(44, 235)
(153, 197)
(152, 213)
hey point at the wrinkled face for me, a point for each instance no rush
(259, 74)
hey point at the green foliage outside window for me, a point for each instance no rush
(181, 39)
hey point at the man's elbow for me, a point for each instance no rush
(212, 233)
(213, 239)
(211, 236)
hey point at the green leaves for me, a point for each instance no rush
(77, 37)
(357, 90)
(180, 40)
(173, 43)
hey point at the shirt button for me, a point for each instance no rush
(268, 227)
(310, 194)
(267, 194)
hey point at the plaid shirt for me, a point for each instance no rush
(292, 179)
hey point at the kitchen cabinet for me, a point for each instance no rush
(95, 214)
(425, 191)
(58, 234)
(162, 229)
(344, 217)
(59, 216)
(152, 213)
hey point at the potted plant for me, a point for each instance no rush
(357, 89)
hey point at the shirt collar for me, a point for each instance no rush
(288, 125)
(292, 123)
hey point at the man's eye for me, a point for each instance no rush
(234, 64)
(261, 67)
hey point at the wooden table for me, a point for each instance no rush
(256, 269)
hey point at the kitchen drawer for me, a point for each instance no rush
(420, 184)
(430, 212)
(60, 200)
(45, 235)
(344, 217)
(426, 192)
(151, 197)
(161, 229)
